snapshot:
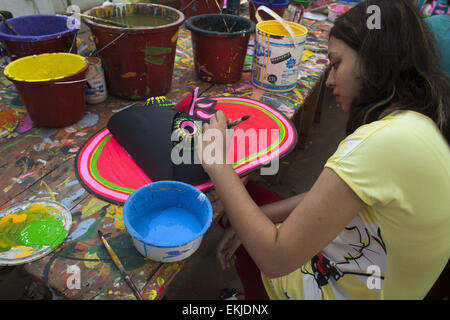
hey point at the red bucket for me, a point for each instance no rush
(51, 86)
(138, 61)
(219, 55)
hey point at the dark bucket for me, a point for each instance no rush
(38, 34)
(219, 55)
(279, 6)
(138, 62)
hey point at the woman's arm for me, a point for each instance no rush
(280, 210)
(324, 212)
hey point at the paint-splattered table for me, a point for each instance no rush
(38, 163)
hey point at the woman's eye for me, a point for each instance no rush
(335, 65)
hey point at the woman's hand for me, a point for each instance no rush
(214, 143)
(227, 247)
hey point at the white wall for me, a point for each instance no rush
(26, 7)
(61, 5)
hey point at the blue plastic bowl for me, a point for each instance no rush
(167, 219)
(38, 27)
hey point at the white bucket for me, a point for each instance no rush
(96, 84)
(278, 52)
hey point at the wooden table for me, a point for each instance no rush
(38, 163)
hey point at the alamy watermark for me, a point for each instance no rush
(374, 20)
(74, 279)
(208, 148)
(373, 282)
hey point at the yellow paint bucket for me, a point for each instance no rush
(278, 52)
(52, 87)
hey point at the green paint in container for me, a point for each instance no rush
(43, 232)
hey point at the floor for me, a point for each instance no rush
(202, 278)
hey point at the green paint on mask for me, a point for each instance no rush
(44, 232)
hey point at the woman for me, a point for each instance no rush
(376, 223)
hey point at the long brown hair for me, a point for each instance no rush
(399, 65)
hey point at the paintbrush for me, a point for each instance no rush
(236, 122)
(96, 19)
(220, 11)
(10, 27)
(119, 266)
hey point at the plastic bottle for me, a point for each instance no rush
(95, 85)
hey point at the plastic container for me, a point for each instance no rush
(96, 91)
(38, 34)
(167, 220)
(219, 55)
(51, 86)
(278, 53)
(278, 6)
(138, 62)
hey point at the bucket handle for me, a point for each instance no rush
(75, 81)
(106, 46)
(73, 43)
(279, 19)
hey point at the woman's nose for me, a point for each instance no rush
(331, 82)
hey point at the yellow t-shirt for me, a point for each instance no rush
(398, 245)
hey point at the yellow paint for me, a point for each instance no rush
(91, 264)
(16, 218)
(160, 281)
(45, 67)
(8, 188)
(70, 157)
(129, 75)
(33, 209)
(174, 266)
(63, 183)
(175, 37)
(52, 195)
(19, 218)
(152, 295)
(25, 252)
(273, 27)
(115, 212)
(108, 11)
(3, 244)
(92, 207)
(104, 272)
(306, 55)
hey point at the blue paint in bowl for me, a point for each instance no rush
(167, 214)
